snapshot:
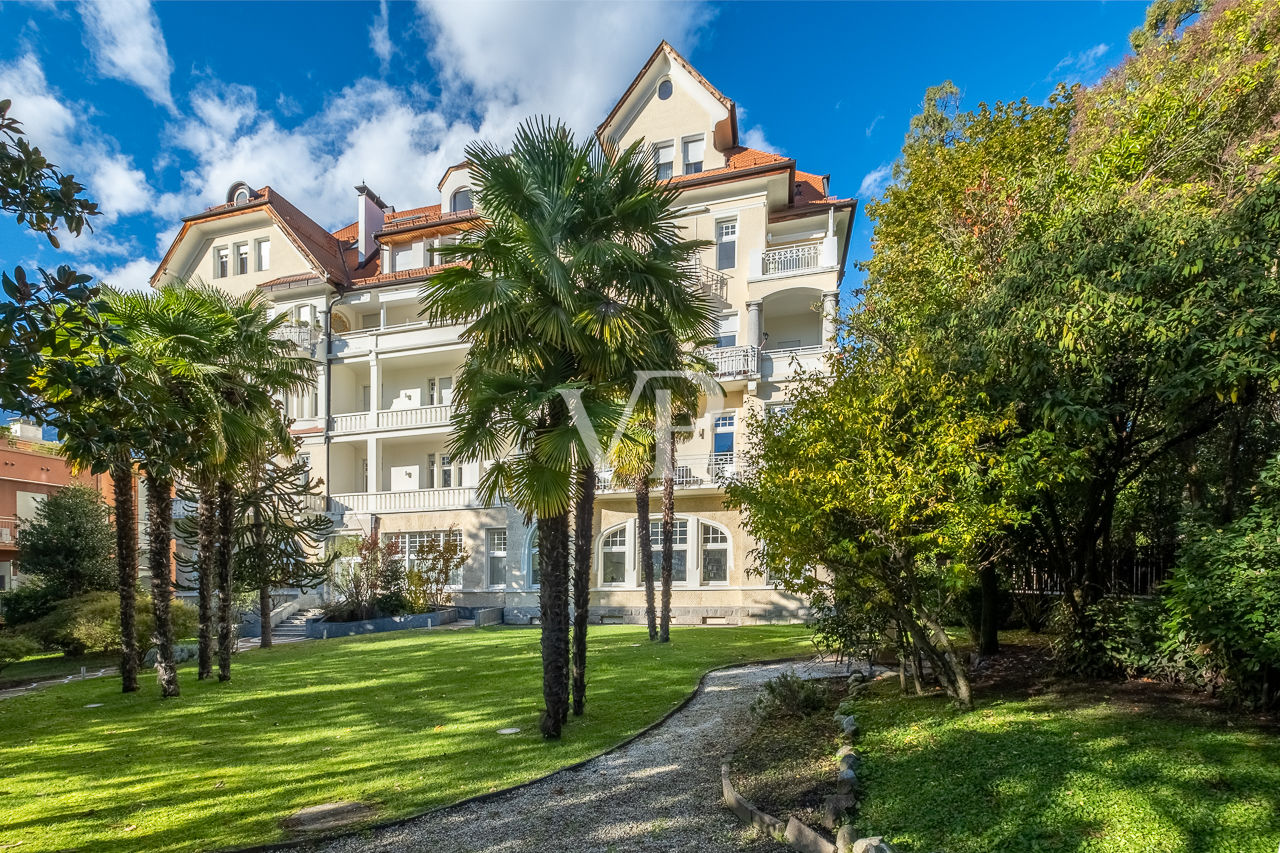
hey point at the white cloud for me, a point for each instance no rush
(871, 127)
(754, 138)
(875, 182)
(1082, 66)
(380, 36)
(126, 42)
(132, 275)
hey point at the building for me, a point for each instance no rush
(375, 426)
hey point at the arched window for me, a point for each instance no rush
(242, 195)
(713, 559)
(664, 90)
(613, 556)
(461, 200)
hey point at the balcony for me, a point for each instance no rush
(417, 500)
(421, 416)
(780, 365)
(733, 362)
(712, 282)
(301, 335)
(9, 531)
(692, 471)
(395, 335)
(796, 259)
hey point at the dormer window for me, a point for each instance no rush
(461, 200)
(239, 193)
(242, 195)
(664, 90)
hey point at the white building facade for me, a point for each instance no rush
(375, 426)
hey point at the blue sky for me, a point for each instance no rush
(158, 109)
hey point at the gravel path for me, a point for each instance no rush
(659, 793)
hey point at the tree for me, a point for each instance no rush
(432, 567)
(69, 545)
(576, 267)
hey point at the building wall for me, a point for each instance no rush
(285, 258)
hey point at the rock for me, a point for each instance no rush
(849, 761)
(328, 816)
(875, 844)
(846, 838)
(182, 653)
(857, 677)
(834, 809)
(846, 781)
(839, 717)
(849, 725)
(806, 840)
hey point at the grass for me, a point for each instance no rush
(1081, 768)
(404, 721)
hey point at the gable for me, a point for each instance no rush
(194, 257)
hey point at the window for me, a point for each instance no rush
(221, 262)
(242, 258)
(496, 546)
(663, 160)
(664, 90)
(404, 257)
(535, 564)
(693, 150)
(722, 447)
(241, 196)
(410, 543)
(679, 549)
(727, 244)
(613, 557)
(446, 472)
(727, 331)
(461, 200)
(370, 321)
(262, 254)
(715, 555)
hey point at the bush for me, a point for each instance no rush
(92, 623)
(789, 695)
(1224, 603)
(848, 629)
(28, 603)
(1126, 638)
(15, 648)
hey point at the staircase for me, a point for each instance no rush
(295, 627)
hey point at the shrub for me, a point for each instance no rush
(92, 623)
(14, 648)
(1126, 638)
(789, 695)
(28, 603)
(431, 566)
(846, 628)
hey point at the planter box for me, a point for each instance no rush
(319, 629)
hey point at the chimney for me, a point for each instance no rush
(369, 218)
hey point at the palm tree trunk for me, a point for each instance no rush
(207, 567)
(264, 614)
(668, 528)
(160, 562)
(644, 542)
(553, 554)
(126, 570)
(583, 523)
(225, 551)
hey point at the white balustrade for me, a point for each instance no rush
(728, 362)
(353, 422)
(420, 416)
(806, 256)
(407, 501)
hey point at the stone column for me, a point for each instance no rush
(753, 324)
(375, 390)
(375, 465)
(830, 311)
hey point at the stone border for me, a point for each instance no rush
(315, 838)
(320, 629)
(746, 810)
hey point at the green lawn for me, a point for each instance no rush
(1093, 768)
(54, 665)
(406, 721)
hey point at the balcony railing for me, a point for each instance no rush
(392, 419)
(712, 281)
(420, 416)
(692, 471)
(733, 362)
(9, 530)
(301, 335)
(807, 256)
(408, 501)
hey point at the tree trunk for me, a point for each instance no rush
(160, 562)
(989, 628)
(264, 613)
(644, 542)
(126, 512)
(224, 552)
(553, 554)
(582, 532)
(668, 528)
(207, 568)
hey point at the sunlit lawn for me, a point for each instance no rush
(1079, 771)
(405, 721)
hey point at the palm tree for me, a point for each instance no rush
(560, 288)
